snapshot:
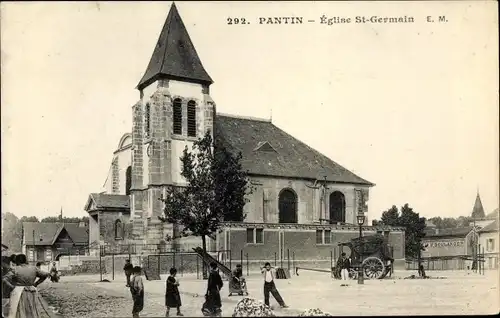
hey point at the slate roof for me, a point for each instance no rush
(174, 55)
(103, 201)
(492, 227)
(478, 210)
(493, 215)
(292, 158)
(47, 233)
(453, 232)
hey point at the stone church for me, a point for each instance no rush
(303, 201)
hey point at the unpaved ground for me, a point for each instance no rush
(458, 294)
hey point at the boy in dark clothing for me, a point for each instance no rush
(128, 271)
(137, 291)
(172, 295)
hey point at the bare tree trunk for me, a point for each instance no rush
(204, 265)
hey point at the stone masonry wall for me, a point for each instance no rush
(263, 205)
(116, 175)
(107, 227)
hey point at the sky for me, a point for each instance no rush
(410, 107)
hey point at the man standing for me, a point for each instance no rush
(128, 271)
(345, 265)
(269, 286)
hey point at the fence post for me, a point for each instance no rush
(247, 266)
(173, 258)
(288, 258)
(159, 264)
(293, 262)
(182, 266)
(197, 267)
(129, 253)
(113, 265)
(241, 257)
(331, 260)
(483, 260)
(100, 261)
(230, 259)
(275, 261)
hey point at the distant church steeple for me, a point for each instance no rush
(478, 210)
(174, 56)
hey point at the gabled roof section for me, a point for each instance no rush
(478, 210)
(39, 233)
(492, 227)
(265, 146)
(493, 215)
(293, 159)
(174, 55)
(101, 201)
(452, 232)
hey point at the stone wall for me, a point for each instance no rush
(299, 244)
(107, 221)
(263, 205)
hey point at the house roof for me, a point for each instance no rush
(108, 201)
(174, 55)
(291, 158)
(452, 232)
(478, 210)
(492, 227)
(46, 233)
(493, 215)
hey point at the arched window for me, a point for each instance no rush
(128, 180)
(337, 207)
(147, 120)
(118, 230)
(287, 206)
(177, 109)
(191, 118)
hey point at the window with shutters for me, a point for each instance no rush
(177, 110)
(191, 118)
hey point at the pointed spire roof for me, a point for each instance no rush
(174, 55)
(478, 210)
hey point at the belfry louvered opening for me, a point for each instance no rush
(177, 108)
(191, 118)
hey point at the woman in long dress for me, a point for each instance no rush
(213, 304)
(25, 301)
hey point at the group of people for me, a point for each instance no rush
(20, 297)
(213, 305)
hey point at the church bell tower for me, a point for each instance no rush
(174, 110)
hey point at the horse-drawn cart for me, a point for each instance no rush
(372, 254)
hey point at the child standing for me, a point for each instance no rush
(172, 295)
(137, 291)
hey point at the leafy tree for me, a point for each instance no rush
(414, 227)
(29, 219)
(391, 216)
(12, 232)
(215, 190)
(55, 219)
(447, 223)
